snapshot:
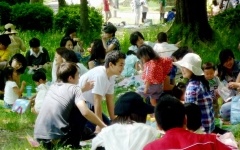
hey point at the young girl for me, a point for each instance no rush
(19, 63)
(198, 90)
(11, 91)
(98, 54)
(155, 73)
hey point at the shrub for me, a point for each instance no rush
(13, 2)
(5, 12)
(229, 19)
(32, 16)
(69, 16)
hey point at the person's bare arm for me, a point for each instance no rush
(167, 86)
(98, 105)
(89, 115)
(110, 105)
(91, 64)
(20, 90)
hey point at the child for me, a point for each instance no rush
(209, 70)
(155, 71)
(4, 53)
(178, 91)
(131, 64)
(37, 56)
(39, 78)
(11, 91)
(198, 90)
(193, 114)
(98, 54)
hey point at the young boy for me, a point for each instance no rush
(4, 53)
(170, 117)
(37, 56)
(103, 78)
(39, 78)
(63, 114)
(209, 71)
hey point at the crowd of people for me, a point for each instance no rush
(70, 109)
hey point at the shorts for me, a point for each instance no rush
(154, 91)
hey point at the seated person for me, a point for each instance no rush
(4, 53)
(64, 111)
(11, 90)
(37, 56)
(170, 117)
(132, 64)
(39, 78)
(129, 130)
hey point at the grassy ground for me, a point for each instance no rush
(14, 127)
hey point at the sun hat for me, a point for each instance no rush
(10, 28)
(132, 102)
(191, 61)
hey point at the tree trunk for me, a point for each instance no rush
(193, 14)
(61, 3)
(84, 15)
(36, 1)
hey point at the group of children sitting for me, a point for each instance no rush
(73, 103)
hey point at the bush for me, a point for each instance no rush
(32, 16)
(13, 2)
(229, 19)
(69, 16)
(5, 13)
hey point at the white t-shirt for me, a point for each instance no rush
(102, 84)
(9, 95)
(83, 69)
(41, 92)
(164, 49)
(54, 71)
(125, 136)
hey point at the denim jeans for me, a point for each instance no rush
(225, 111)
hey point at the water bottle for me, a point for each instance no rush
(29, 91)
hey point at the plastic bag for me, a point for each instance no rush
(224, 91)
(235, 110)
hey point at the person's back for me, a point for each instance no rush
(128, 131)
(179, 138)
(125, 136)
(131, 64)
(162, 47)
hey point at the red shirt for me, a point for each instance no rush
(155, 71)
(179, 138)
(106, 5)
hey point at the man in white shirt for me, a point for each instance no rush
(104, 81)
(162, 47)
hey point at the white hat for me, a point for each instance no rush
(191, 61)
(10, 28)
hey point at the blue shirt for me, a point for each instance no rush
(198, 94)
